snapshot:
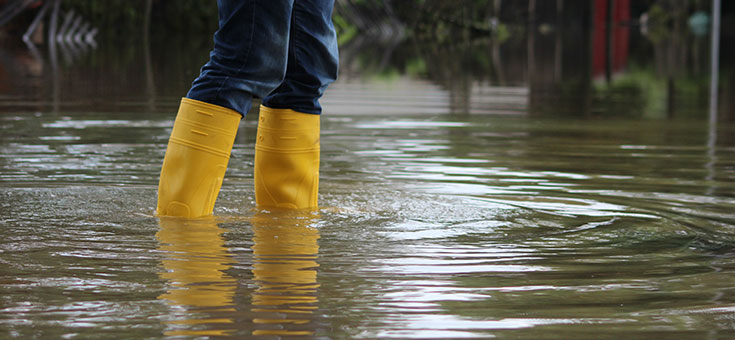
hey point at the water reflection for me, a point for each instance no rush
(203, 295)
(285, 250)
(570, 61)
(198, 286)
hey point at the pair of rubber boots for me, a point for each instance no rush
(286, 159)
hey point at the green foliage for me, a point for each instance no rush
(416, 67)
(346, 31)
(501, 33)
(636, 94)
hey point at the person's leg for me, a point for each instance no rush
(249, 56)
(313, 59)
(249, 59)
(287, 146)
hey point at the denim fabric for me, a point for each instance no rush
(283, 51)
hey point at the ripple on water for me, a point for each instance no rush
(433, 227)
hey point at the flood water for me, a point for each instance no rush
(452, 206)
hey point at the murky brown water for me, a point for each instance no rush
(445, 214)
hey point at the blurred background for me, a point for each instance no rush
(648, 59)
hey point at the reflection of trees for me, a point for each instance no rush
(555, 56)
(70, 68)
(677, 56)
(663, 77)
(560, 61)
(448, 66)
(446, 43)
(727, 100)
(460, 66)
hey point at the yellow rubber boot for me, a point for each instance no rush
(196, 159)
(286, 159)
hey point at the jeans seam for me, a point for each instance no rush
(297, 31)
(247, 54)
(296, 39)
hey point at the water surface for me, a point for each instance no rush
(444, 214)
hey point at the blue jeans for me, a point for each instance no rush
(283, 51)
